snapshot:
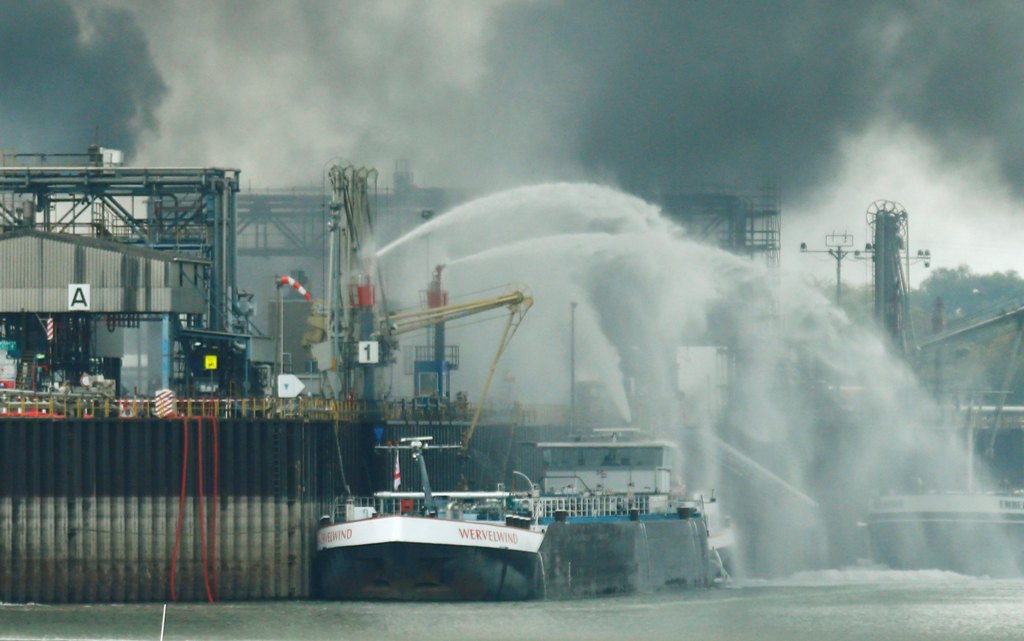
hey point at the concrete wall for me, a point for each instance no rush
(89, 508)
(92, 510)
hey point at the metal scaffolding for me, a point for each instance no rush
(748, 223)
(888, 223)
(189, 213)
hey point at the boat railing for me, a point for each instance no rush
(483, 505)
(497, 505)
(32, 404)
(590, 506)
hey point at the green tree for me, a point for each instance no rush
(978, 360)
(968, 296)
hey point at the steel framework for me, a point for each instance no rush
(187, 211)
(888, 223)
(748, 223)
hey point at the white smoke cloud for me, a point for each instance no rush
(280, 89)
(841, 107)
(959, 211)
(814, 399)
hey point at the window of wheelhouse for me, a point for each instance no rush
(602, 457)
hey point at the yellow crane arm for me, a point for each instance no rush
(515, 318)
(517, 302)
(404, 322)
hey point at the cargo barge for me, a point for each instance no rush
(603, 521)
(974, 533)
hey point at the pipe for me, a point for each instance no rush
(428, 497)
(280, 331)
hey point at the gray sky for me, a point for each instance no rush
(839, 103)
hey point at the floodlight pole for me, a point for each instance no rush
(837, 245)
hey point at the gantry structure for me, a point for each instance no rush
(112, 217)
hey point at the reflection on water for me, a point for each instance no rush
(833, 605)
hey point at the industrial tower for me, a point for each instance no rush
(92, 246)
(891, 263)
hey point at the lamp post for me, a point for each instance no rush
(837, 245)
(572, 367)
(280, 330)
(426, 215)
(533, 487)
(535, 508)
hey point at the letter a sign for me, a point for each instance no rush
(78, 297)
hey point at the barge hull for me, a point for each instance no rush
(624, 557)
(401, 571)
(981, 547)
(576, 559)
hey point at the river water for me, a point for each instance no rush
(856, 604)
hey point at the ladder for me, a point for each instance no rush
(25, 378)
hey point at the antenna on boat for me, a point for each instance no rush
(416, 443)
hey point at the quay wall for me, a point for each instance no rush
(206, 508)
(108, 510)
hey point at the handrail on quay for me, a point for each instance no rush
(32, 404)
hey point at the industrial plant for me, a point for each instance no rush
(192, 375)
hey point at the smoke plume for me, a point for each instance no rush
(73, 78)
(658, 94)
(651, 95)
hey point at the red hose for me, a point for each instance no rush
(181, 505)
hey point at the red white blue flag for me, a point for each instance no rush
(398, 472)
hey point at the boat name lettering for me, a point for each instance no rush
(493, 536)
(336, 535)
(1011, 505)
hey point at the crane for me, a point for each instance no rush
(517, 302)
(350, 293)
(398, 323)
(355, 316)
